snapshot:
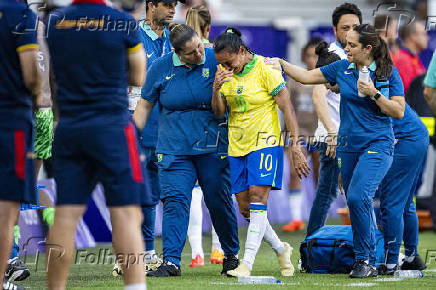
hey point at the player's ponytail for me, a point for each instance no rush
(231, 41)
(325, 56)
(199, 19)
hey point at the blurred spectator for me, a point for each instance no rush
(414, 40)
(387, 27)
(430, 84)
(301, 97)
(212, 5)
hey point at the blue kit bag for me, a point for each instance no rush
(330, 250)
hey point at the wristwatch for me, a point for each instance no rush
(376, 96)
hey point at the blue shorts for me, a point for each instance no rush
(17, 172)
(261, 167)
(82, 157)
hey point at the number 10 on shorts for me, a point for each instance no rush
(267, 163)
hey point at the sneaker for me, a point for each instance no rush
(284, 259)
(229, 263)
(9, 286)
(117, 270)
(17, 270)
(295, 225)
(383, 270)
(241, 271)
(362, 270)
(166, 269)
(198, 261)
(217, 256)
(416, 264)
(153, 263)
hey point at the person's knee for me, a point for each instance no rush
(128, 214)
(354, 200)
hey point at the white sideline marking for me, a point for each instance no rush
(361, 284)
(388, 279)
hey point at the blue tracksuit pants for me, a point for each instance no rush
(177, 177)
(396, 197)
(362, 172)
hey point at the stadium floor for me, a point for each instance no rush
(98, 276)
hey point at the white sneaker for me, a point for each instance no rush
(117, 270)
(241, 271)
(284, 259)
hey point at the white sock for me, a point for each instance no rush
(255, 233)
(149, 256)
(195, 223)
(295, 204)
(272, 239)
(215, 241)
(139, 286)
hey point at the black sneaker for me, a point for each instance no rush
(229, 263)
(17, 270)
(383, 270)
(362, 270)
(416, 264)
(166, 269)
(9, 286)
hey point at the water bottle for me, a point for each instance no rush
(258, 280)
(408, 274)
(364, 76)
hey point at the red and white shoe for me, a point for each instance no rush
(216, 257)
(294, 225)
(198, 261)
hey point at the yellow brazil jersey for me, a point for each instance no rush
(253, 115)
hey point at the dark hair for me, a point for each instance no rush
(380, 52)
(179, 35)
(230, 40)
(346, 8)
(312, 42)
(156, 2)
(325, 56)
(198, 17)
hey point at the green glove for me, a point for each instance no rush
(16, 233)
(48, 215)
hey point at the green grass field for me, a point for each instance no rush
(86, 276)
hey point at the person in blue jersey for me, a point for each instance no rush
(19, 86)
(191, 146)
(95, 140)
(154, 36)
(365, 137)
(327, 103)
(398, 188)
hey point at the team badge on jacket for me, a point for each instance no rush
(205, 72)
(239, 90)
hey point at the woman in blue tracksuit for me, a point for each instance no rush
(192, 145)
(365, 135)
(398, 188)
